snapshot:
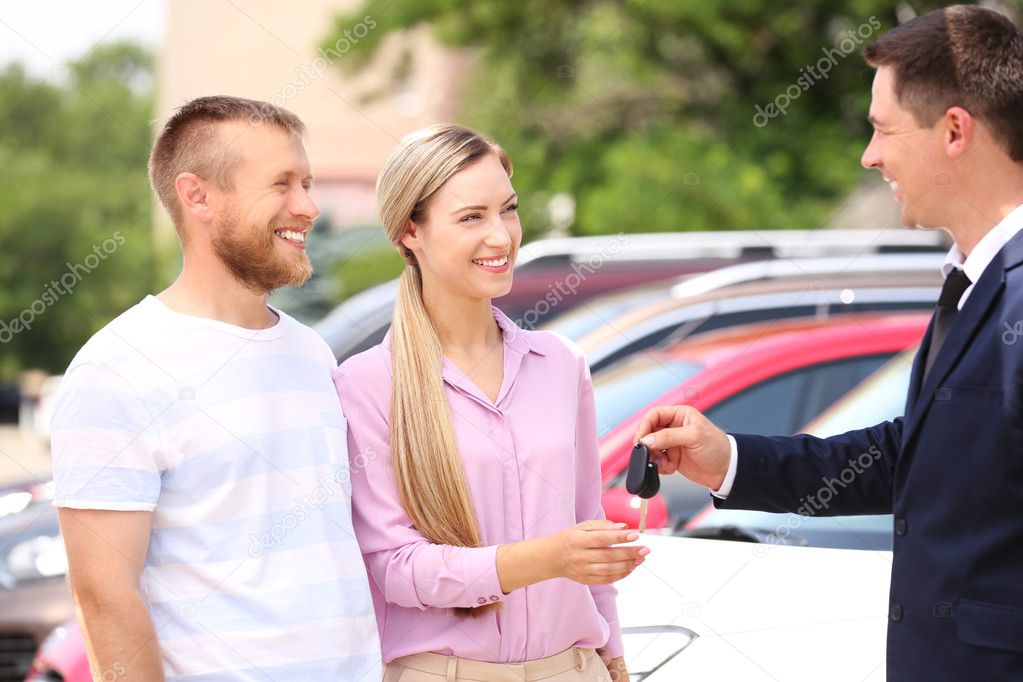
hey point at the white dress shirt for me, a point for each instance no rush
(973, 265)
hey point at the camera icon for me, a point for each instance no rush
(692, 609)
(60, 72)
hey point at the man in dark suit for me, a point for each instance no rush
(947, 111)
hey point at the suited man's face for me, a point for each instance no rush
(911, 158)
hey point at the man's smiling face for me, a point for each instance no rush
(911, 158)
(268, 213)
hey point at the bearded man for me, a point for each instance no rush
(199, 449)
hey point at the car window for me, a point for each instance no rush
(674, 332)
(722, 320)
(780, 406)
(621, 391)
(592, 315)
(879, 398)
(725, 320)
(828, 382)
(880, 307)
(766, 408)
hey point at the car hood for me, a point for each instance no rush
(758, 611)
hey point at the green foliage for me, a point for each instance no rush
(367, 268)
(77, 213)
(643, 110)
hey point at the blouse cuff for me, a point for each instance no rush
(480, 568)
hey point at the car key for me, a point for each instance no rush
(642, 515)
(641, 479)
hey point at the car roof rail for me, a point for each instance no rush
(741, 273)
(732, 244)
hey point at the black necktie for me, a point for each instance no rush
(945, 313)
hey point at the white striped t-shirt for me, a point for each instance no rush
(235, 441)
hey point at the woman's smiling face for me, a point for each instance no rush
(467, 242)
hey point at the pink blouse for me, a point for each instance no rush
(532, 466)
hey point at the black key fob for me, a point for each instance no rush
(641, 478)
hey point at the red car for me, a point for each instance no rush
(768, 378)
(61, 657)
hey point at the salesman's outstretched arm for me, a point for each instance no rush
(847, 474)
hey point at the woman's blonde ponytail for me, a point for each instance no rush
(427, 464)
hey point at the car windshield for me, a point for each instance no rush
(623, 389)
(878, 398)
(594, 314)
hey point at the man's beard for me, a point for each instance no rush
(250, 254)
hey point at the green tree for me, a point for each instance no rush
(77, 209)
(644, 110)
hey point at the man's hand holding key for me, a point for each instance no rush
(681, 439)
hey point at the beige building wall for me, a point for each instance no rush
(270, 50)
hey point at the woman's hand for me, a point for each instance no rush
(585, 552)
(615, 666)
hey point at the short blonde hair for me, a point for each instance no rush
(190, 142)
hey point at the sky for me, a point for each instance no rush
(44, 35)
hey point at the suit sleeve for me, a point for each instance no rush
(848, 474)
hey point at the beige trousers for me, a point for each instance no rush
(571, 665)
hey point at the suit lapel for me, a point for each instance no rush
(968, 320)
(916, 376)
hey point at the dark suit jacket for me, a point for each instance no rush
(951, 471)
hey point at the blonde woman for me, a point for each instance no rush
(473, 445)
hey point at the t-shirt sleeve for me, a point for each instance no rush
(105, 443)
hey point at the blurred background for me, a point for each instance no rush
(686, 171)
(619, 117)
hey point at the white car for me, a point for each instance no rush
(734, 611)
